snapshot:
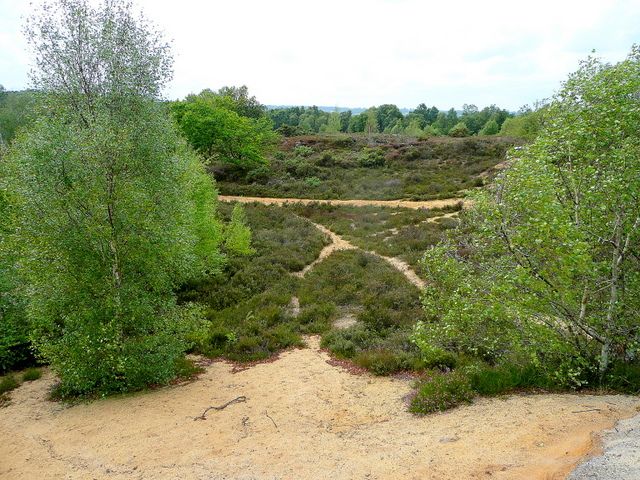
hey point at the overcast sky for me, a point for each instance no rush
(358, 53)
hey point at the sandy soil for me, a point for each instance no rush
(620, 459)
(447, 202)
(302, 418)
(337, 243)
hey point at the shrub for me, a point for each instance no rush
(8, 383)
(624, 377)
(302, 151)
(346, 343)
(316, 318)
(371, 157)
(326, 160)
(441, 392)
(504, 378)
(237, 235)
(31, 374)
(379, 362)
(459, 130)
(186, 369)
(313, 181)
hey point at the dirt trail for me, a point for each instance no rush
(447, 202)
(303, 418)
(339, 243)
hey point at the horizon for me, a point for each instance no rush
(401, 52)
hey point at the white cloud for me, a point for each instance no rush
(360, 53)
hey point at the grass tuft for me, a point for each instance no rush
(31, 374)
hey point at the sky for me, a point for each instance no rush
(359, 53)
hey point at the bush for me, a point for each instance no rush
(313, 181)
(8, 383)
(624, 377)
(459, 130)
(346, 343)
(371, 158)
(302, 151)
(31, 374)
(316, 318)
(379, 362)
(441, 392)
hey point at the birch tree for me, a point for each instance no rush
(113, 210)
(546, 267)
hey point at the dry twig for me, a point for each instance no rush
(239, 399)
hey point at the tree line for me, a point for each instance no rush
(387, 118)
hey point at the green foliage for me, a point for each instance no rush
(302, 150)
(313, 181)
(237, 235)
(382, 301)
(490, 128)
(248, 301)
(430, 168)
(484, 122)
(31, 374)
(393, 232)
(460, 129)
(17, 110)
(624, 377)
(214, 127)
(526, 124)
(506, 378)
(112, 210)
(8, 383)
(440, 392)
(371, 158)
(544, 267)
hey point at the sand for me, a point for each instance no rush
(339, 243)
(303, 419)
(447, 202)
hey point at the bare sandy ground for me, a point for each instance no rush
(447, 202)
(302, 419)
(339, 243)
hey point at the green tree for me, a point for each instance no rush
(413, 128)
(546, 268)
(15, 346)
(113, 211)
(334, 124)
(526, 124)
(237, 235)
(459, 130)
(371, 127)
(388, 115)
(490, 128)
(242, 103)
(358, 123)
(17, 109)
(221, 134)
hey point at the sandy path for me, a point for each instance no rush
(329, 424)
(447, 202)
(339, 243)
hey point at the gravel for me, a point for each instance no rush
(621, 457)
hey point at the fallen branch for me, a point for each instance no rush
(272, 420)
(589, 410)
(239, 399)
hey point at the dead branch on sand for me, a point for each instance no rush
(239, 399)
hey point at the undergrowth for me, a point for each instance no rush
(393, 232)
(350, 167)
